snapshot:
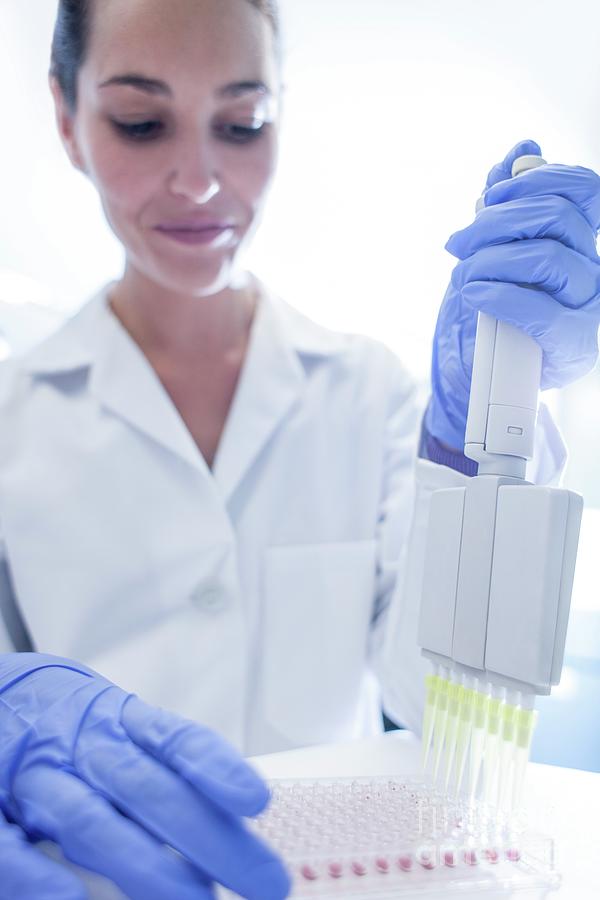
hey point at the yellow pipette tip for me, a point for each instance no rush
(465, 722)
(525, 723)
(494, 715)
(439, 728)
(455, 695)
(480, 719)
(509, 715)
(431, 688)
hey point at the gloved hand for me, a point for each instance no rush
(530, 259)
(113, 780)
(29, 875)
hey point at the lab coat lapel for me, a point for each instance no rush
(125, 383)
(121, 378)
(271, 382)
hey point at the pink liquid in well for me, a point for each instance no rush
(405, 863)
(309, 873)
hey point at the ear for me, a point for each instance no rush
(65, 122)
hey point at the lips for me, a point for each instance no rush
(195, 225)
(212, 232)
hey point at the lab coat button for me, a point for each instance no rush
(209, 599)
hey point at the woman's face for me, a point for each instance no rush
(176, 126)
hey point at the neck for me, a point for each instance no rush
(166, 323)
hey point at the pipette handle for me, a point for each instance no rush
(504, 388)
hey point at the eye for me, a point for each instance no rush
(241, 134)
(139, 131)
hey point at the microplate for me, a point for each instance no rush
(387, 838)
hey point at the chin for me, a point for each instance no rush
(197, 281)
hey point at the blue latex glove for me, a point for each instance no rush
(113, 780)
(28, 875)
(530, 259)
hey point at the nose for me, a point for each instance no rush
(194, 174)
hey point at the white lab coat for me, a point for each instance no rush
(258, 598)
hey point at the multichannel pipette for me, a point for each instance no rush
(499, 566)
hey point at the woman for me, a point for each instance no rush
(203, 495)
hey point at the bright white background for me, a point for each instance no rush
(394, 112)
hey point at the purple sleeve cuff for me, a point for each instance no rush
(430, 448)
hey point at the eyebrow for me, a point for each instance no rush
(155, 86)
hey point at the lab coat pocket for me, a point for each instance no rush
(318, 606)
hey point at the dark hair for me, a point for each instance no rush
(71, 33)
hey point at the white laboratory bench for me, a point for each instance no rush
(561, 803)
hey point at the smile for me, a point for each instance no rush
(211, 234)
